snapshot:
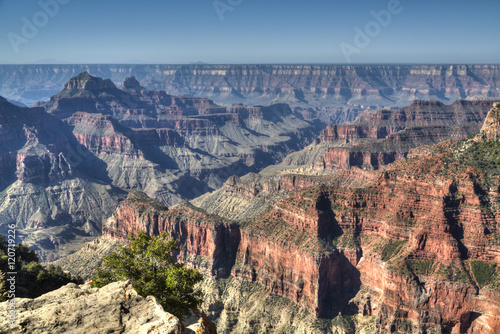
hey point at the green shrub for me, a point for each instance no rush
(455, 272)
(392, 249)
(148, 264)
(421, 267)
(483, 272)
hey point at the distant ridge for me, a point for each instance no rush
(333, 93)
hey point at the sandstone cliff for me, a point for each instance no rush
(413, 248)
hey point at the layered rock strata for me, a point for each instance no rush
(49, 181)
(414, 248)
(377, 138)
(174, 147)
(71, 164)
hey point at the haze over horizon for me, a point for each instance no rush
(240, 31)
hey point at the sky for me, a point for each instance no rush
(249, 31)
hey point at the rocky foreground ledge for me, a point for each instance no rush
(115, 308)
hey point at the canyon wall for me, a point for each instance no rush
(414, 248)
(68, 161)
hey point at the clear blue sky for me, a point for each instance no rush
(255, 31)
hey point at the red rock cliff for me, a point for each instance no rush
(417, 245)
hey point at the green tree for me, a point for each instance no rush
(148, 264)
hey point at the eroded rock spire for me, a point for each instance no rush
(491, 127)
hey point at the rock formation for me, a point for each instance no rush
(412, 247)
(174, 148)
(115, 308)
(377, 138)
(71, 165)
(490, 129)
(50, 183)
(383, 245)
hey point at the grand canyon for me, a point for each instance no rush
(314, 199)
(249, 167)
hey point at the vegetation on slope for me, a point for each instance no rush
(484, 273)
(392, 249)
(148, 264)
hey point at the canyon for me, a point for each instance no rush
(66, 163)
(174, 148)
(411, 247)
(332, 93)
(387, 222)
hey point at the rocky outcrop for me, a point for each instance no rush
(102, 134)
(131, 84)
(72, 309)
(491, 127)
(36, 168)
(86, 82)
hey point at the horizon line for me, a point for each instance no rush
(239, 64)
